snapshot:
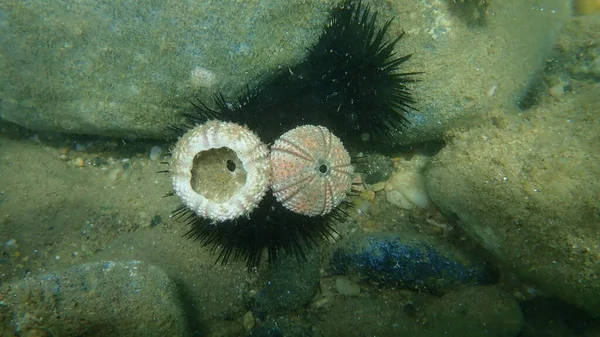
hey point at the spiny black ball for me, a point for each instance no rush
(350, 82)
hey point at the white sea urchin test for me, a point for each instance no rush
(220, 170)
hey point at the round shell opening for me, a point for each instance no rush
(218, 174)
(220, 170)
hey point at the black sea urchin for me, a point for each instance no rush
(214, 159)
(271, 228)
(349, 82)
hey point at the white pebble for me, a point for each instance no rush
(557, 90)
(202, 77)
(248, 321)
(155, 152)
(346, 287)
(398, 199)
(412, 187)
(115, 173)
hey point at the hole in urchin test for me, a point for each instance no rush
(212, 179)
(323, 168)
(231, 165)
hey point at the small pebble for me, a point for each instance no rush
(98, 161)
(202, 77)
(80, 147)
(378, 186)
(79, 162)
(248, 321)
(361, 205)
(63, 151)
(156, 220)
(368, 195)
(371, 225)
(396, 198)
(321, 302)
(115, 173)
(557, 90)
(346, 287)
(155, 153)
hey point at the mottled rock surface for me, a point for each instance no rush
(526, 188)
(106, 298)
(128, 71)
(473, 65)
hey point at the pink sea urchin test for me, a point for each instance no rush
(311, 170)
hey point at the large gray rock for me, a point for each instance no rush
(526, 188)
(126, 68)
(107, 298)
(475, 62)
(95, 67)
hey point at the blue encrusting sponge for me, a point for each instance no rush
(390, 260)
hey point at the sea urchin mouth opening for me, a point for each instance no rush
(220, 170)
